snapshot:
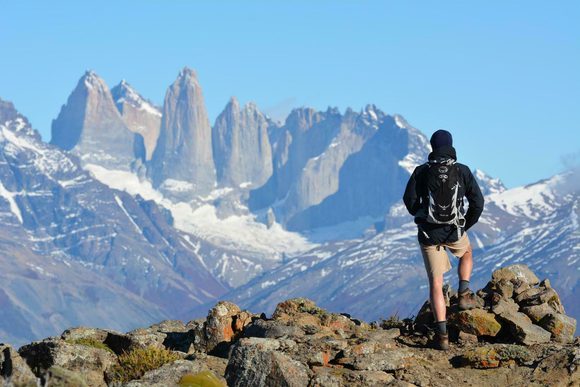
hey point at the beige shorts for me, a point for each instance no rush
(436, 259)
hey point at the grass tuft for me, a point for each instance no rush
(134, 364)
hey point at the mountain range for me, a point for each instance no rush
(143, 212)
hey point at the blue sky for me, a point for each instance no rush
(503, 77)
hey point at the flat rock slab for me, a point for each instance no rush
(523, 330)
(476, 322)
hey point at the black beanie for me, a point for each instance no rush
(441, 138)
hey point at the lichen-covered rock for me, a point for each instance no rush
(544, 296)
(305, 313)
(92, 363)
(116, 341)
(476, 322)
(388, 361)
(515, 272)
(561, 327)
(492, 356)
(170, 374)
(13, 369)
(256, 362)
(523, 330)
(224, 322)
(271, 329)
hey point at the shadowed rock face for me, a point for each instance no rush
(241, 147)
(140, 116)
(90, 125)
(184, 150)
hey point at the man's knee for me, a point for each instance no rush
(436, 282)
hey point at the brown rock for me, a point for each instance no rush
(476, 322)
(548, 296)
(224, 322)
(482, 357)
(560, 326)
(304, 313)
(467, 337)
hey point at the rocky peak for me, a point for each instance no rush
(184, 148)
(241, 146)
(488, 184)
(90, 125)
(140, 115)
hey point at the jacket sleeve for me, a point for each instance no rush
(411, 199)
(474, 198)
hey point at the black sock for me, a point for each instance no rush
(463, 286)
(441, 327)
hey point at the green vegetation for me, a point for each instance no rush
(201, 379)
(134, 364)
(90, 342)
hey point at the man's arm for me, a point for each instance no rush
(411, 199)
(474, 198)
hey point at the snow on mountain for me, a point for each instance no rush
(90, 126)
(139, 114)
(59, 224)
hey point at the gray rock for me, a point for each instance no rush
(255, 362)
(139, 115)
(538, 312)
(561, 327)
(271, 329)
(388, 361)
(182, 163)
(515, 272)
(13, 369)
(523, 330)
(505, 306)
(241, 147)
(92, 363)
(90, 126)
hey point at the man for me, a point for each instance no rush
(434, 196)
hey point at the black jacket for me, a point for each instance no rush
(417, 196)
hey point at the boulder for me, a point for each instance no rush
(91, 362)
(561, 327)
(13, 369)
(548, 296)
(522, 329)
(116, 341)
(305, 313)
(271, 329)
(225, 321)
(476, 322)
(538, 312)
(257, 362)
(515, 272)
(492, 356)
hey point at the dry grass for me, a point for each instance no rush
(134, 364)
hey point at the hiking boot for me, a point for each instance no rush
(441, 341)
(467, 300)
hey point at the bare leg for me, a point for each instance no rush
(465, 265)
(437, 299)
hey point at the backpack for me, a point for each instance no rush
(443, 187)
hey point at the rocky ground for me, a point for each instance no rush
(519, 335)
